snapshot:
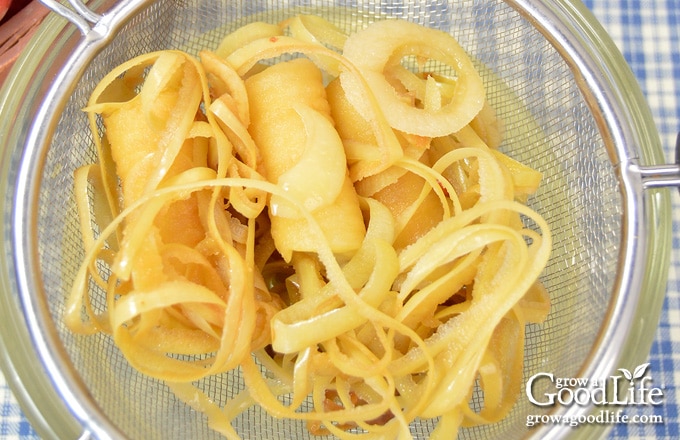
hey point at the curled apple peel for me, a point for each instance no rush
(378, 51)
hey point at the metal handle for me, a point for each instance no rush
(655, 176)
(80, 15)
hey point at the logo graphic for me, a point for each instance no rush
(585, 391)
(630, 388)
(637, 373)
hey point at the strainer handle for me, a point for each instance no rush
(655, 176)
(80, 15)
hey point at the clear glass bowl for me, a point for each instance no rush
(35, 362)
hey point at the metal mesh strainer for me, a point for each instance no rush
(563, 98)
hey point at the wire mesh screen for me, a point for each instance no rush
(548, 126)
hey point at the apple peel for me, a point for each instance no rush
(373, 50)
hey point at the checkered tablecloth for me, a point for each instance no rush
(648, 34)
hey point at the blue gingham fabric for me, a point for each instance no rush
(648, 34)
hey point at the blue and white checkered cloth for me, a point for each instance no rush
(648, 34)
(13, 424)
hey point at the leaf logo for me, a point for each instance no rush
(636, 374)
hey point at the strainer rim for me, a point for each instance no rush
(631, 182)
